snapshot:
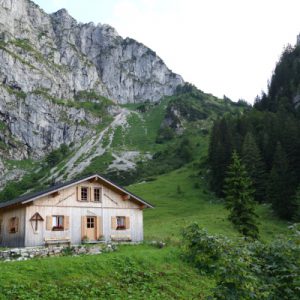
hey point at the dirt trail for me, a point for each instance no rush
(91, 149)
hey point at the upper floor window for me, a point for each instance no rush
(97, 194)
(84, 194)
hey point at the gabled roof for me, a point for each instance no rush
(34, 196)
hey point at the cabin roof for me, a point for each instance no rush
(34, 196)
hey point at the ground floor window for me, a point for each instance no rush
(57, 222)
(90, 222)
(121, 223)
(13, 225)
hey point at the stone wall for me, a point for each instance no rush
(19, 254)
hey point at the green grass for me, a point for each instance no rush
(25, 164)
(98, 164)
(142, 130)
(133, 272)
(175, 210)
(138, 271)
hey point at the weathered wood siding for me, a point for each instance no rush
(8, 239)
(66, 203)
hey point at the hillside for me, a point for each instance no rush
(141, 141)
(78, 98)
(61, 81)
(139, 271)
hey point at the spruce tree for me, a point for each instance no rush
(255, 166)
(239, 198)
(296, 205)
(280, 191)
(219, 154)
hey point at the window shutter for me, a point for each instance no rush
(101, 192)
(10, 225)
(92, 198)
(127, 222)
(78, 193)
(66, 222)
(49, 223)
(88, 194)
(113, 223)
(17, 224)
(83, 227)
(99, 232)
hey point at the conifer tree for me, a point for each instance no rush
(255, 166)
(239, 198)
(280, 192)
(296, 205)
(220, 149)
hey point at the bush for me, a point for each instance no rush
(244, 270)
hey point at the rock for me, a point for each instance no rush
(50, 63)
(94, 250)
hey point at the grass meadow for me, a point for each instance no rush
(138, 271)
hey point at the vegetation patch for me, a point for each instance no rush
(137, 272)
(245, 270)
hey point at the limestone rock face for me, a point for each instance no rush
(47, 62)
(57, 53)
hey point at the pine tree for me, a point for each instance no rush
(255, 166)
(296, 205)
(280, 192)
(220, 149)
(239, 198)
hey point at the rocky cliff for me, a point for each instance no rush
(51, 66)
(57, 53)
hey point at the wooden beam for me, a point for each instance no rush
(55, 194)
(142, 207)
(125, 197)
(92, 180)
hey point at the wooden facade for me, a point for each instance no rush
(91, 209)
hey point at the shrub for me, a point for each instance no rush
(244, 270)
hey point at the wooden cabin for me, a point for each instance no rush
(90, 209)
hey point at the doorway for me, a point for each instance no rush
(91, 228)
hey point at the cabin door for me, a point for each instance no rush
(91, 228)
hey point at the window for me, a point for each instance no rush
(13, 225)
(84, 194)
(97, 194)
(57, 223)
(121, 223)
(90, 222)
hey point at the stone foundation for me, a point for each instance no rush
(19, 254)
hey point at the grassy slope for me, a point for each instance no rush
(174, 210)
(143, 271)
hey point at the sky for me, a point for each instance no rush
(223, 47)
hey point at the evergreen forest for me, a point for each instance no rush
(267, 138)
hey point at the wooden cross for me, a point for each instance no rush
(35, 218)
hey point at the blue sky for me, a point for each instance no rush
(223, 47)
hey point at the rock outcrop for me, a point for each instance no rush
(57, 53)
(51, 64)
